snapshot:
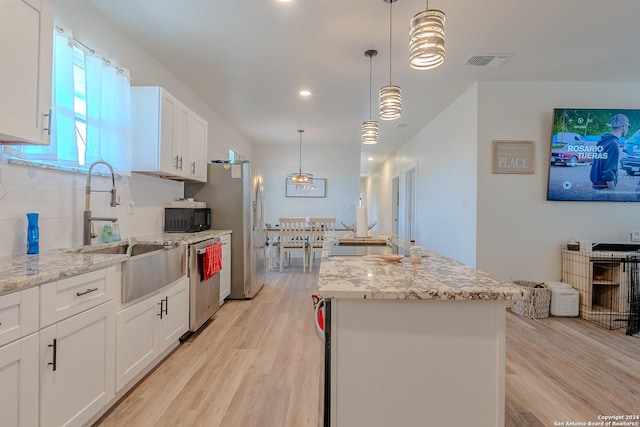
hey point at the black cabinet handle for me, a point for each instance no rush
(164, 306)
(88, 291)
(54, 363)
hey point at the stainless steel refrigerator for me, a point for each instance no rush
(235, 198)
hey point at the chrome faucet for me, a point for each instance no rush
(87, 235)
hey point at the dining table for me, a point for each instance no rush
(273, 236)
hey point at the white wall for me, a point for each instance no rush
(339, 165)
(59, 196)
(92, 28)
(444, 154)
(519, 231)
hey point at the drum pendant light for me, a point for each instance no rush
(370, 127)
(426, 39)
(300, 179)
(390, 101)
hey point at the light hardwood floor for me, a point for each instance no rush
(259, 363)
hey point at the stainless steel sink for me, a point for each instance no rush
(148, 268)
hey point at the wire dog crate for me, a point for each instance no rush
(609, 287)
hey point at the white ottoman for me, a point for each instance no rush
(564, 299)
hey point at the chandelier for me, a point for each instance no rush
(426, 39)
(370, 127)
(390, 101)
(300, 179)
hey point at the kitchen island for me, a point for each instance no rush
(413, 344)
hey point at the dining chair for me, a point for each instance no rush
(318, 226)
(293, 238)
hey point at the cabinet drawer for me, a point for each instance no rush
(18, 314)
(67, 297)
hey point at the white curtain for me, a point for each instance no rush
(108, 113)
(62, 149)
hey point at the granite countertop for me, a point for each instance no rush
(436, 277)
(23, 271)
(182, 238)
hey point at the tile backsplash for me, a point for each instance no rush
(59, 198)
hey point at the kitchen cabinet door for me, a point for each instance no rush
(26, 49)
(19, 382)
(161, 127)
(197, 148)
(225, 273)
(77, 367)
(174, 134)
(174, 319)
(135, 340)
(147, 328)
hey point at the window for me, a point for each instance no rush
(235, 156)
(80, 101)
(91, 105)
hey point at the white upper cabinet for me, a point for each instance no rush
(197, 149)
(26, 51)
(169, 139)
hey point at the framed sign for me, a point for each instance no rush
(317, 189)
(513, 157)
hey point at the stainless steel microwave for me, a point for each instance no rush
(186, 220)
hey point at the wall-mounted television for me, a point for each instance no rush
(594, 155)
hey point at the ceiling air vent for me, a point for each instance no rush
(402, 125)
(486, 60)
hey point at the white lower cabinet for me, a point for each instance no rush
(77, 367)
(147, 328)
(65, 352)
(19, 382)
(225, 273)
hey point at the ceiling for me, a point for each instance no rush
(248, 59)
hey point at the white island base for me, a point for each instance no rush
(417, 362)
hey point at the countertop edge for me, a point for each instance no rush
(25, 271)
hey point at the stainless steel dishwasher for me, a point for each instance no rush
(204, 296)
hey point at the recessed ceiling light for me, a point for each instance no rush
(369, 158)
(304, 93)
(284, 1)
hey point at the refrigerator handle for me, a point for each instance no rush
(255, 216)
(318, 329)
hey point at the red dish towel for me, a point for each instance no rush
(212, 260)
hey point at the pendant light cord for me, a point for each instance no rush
(300, 163)
(390, 19)
(370, 56)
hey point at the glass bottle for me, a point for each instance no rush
(33, 234)
(116, 232)
(107, 234)
(415, 253)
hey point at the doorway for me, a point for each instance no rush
(410, 177)
(395, 204)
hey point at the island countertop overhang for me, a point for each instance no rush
(437, 277)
